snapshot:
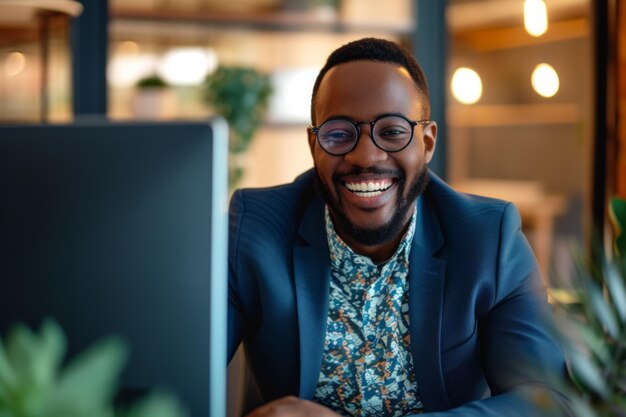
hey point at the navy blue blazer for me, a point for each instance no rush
(479, 336)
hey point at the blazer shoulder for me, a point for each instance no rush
(469, 215)
(277, 199)
(451, 201)
(277, 209)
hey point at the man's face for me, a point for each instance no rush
(362, 91)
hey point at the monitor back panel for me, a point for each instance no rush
(107, 229)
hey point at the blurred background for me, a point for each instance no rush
(529, 95)
(514, 84)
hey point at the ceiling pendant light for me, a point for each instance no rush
(545, 80)
(467, 87)
(535, 17)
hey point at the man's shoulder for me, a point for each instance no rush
(282, 196)
(477, 225)
(281, 204)
(447, 199)
(458, 212)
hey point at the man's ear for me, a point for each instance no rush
(429, 138)
(312, 140)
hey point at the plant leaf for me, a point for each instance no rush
(29, 364)
(24, 350)
(588, 373)
(617, 213)
(49, 355)
(158, 404)
(581, 408)
(602, 311)
(87, 385)
(617, 290)
(8, 378)
(594, 342)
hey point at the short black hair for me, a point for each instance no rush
(374, 49)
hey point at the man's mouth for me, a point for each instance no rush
(371, 188)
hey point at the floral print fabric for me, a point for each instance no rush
(367, 369)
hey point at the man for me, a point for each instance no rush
(368, 287)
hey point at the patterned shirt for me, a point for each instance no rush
(367, 369)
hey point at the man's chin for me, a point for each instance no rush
(367, 226)
(366, 235)
(362, 230)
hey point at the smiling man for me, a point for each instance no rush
(371, 186)
(368, 287)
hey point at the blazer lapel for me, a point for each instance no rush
(426, 284)
(312, 280)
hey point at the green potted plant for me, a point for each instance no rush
(153, 98)
(34, 382)
(596, 343)
(324, 10)
(241, 96)
(151, 81)
(321, 11)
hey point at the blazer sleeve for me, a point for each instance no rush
(521, 357)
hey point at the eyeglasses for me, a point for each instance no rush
(389, 132)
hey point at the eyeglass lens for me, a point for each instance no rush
(390, 133)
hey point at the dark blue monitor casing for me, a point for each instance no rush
(120, 228)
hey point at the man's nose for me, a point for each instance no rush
(366, 153)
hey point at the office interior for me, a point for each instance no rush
(531, 103)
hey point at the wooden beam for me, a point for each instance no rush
(485, 40)
(471, 15)
(490, 115)
(10, 37)
(270, 20)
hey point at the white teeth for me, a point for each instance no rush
(370, 193)
(368, 189)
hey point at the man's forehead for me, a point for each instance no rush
(371, 77)
(366, 69)
(370, 83)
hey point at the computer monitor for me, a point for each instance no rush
(121, 228)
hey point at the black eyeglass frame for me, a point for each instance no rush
(357, 127)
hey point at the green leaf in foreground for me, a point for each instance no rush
(158, 404)
(89, 382)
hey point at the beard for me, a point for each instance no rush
(406, 196)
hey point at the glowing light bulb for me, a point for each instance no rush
(125, 70)
(545, 80)
(187, 66)
(128, 48)
(467, 87)
(14, 63)
(535, 17)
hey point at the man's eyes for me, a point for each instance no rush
(392, 131)
(338, 135)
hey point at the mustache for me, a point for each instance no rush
(356, 171)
